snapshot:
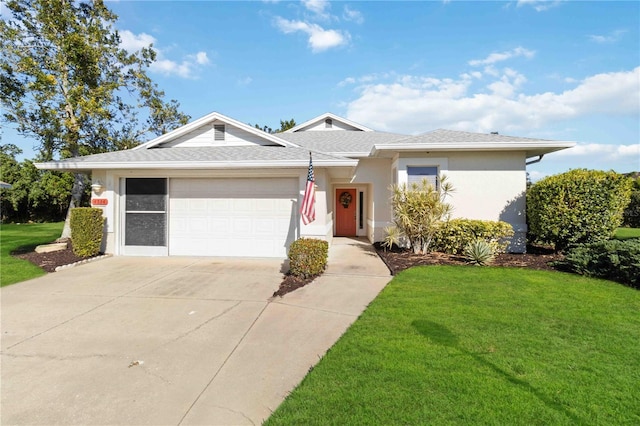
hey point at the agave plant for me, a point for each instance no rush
(479, 252)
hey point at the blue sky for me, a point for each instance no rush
(561, 70)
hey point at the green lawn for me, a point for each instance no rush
(27, 237)
(470, 345)
(627, 233)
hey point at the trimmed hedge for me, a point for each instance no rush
(613, 260)
(577, 207)
(87, 226)
(308, 257)
(453, 236)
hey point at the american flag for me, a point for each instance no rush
(308, 207)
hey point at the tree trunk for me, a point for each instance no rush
(76, 198)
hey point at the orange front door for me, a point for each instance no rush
(345, 211)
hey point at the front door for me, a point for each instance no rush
(345, 212)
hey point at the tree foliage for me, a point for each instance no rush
(36, 195)
(418, 212)
(579, 206)
(66, 81)
(284, 126)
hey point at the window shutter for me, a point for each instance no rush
(218, 132)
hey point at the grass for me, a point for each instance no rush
(470, 345)
(626, 233)
(23, 237)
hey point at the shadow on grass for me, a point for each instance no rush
(441, 335)
(23, 249)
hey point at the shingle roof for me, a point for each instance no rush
(340, 142)
(211, 157)
(453, 136)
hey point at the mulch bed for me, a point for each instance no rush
(50, 261)
(398, 259)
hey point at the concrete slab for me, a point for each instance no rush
(172, 340)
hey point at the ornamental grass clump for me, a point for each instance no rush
(418, 210)
(308, 257)
(479, 252)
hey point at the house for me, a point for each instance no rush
(219, 187)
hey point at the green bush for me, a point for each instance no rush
(308, 257)
(613, 259)
(479, 252)
(632, 212)
(579, 206)
(87, 226)
(453, 236)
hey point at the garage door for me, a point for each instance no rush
(232, 217)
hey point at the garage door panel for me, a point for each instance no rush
(232, 217)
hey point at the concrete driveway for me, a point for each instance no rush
(172, 340)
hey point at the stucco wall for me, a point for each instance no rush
(377, 173)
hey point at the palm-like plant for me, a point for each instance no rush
(419, 209)
(479, 252)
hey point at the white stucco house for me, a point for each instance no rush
(219, 187)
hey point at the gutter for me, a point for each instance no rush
(537, 160)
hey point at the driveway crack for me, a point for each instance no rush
(224, 363)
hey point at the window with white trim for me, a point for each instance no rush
(218, 130)
(417, 174)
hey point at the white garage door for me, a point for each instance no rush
(232, 217)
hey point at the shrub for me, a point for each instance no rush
(613, 259)
(454, 235)
(418, 211)
(632, 212)
(579, 206)
(87, 226)
(308, 257)
(479, 252)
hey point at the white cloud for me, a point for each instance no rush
(201, 58)
(186, 68)
(603, 151)
(349, 14)
(540, 5)
(133, 42)
(415, 104)
(245, 81)
(319, 38)
(609, 38)
(318, 7)
(503, 56)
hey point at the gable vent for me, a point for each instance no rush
(218, 132)
(328, 123)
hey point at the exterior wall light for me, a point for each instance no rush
(97, 187)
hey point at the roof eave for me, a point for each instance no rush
(199, 165)
(532, 149)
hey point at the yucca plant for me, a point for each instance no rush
(392, 236)
(479, 252)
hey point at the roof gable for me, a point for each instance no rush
(328, 122)
(201, 133)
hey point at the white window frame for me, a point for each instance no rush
(402, 165)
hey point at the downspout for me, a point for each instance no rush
(537, 160)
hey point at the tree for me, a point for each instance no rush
(284, 126)
(65, 80)
(577, 207)
(418, 212)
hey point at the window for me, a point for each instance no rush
(361, 210)
(218, 132)
(417, 174)
(145, 212)
(328, 123)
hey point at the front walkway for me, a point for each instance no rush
(172, 340)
